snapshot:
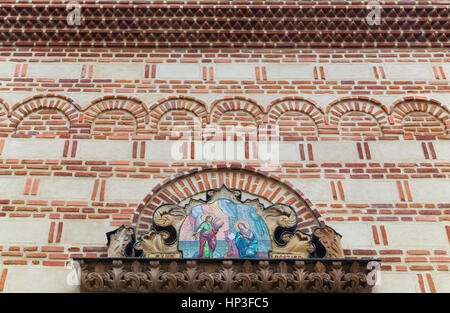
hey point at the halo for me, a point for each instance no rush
(239, 222)
(205, 215)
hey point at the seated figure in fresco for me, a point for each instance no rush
(206, 232)
(246, 240)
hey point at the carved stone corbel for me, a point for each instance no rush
(120, 242)
(161, 240)
(288, 242)
(331, 240)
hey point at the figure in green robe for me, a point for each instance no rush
(207, 232)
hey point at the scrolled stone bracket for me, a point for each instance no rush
(141, 275)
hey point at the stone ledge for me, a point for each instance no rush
(226, 275)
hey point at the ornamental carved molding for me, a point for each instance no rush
(231, 276)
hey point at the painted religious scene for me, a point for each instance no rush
(224, 229)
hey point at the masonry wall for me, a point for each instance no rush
(91, 139)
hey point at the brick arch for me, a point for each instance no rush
(48, 95)
(433, 107)
(338, 108)
(357, 118)
(421, 117)
(300, 104)
(180, 103)
(4, 116)
(296, 117)
(116, 103)
(222, 106)
(5, 105)
(254, 182)
(50, 107)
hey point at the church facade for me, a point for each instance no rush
(281, 137)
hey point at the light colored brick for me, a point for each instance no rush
(370, 191)
(23, 279)
(408, 71)
(36, 149)
(69, 70)
(290, 71)
(354, 234)
(119, 71)
(62, 188)
(397, 282)
(417, 236)
(85, 232)
(31, 232)
(348, 71)
(179, 71)
(234, 71)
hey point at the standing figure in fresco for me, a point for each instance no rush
(246, 240)
(207, 233)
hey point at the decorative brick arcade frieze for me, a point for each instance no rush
(233, 275)
(253, 24)
(185, 117)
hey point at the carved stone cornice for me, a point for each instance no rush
(227, 275)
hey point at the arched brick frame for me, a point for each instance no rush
(289, 105)
(47, 95)
(158, 110)
(403, 108)
(338, 108)
(50, 101)
(219, 107)
(307, 106)
(254, 182)
(4, 118)
(132, 105)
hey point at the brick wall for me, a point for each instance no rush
(420, 123)
(114, 122)
(86, 142)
